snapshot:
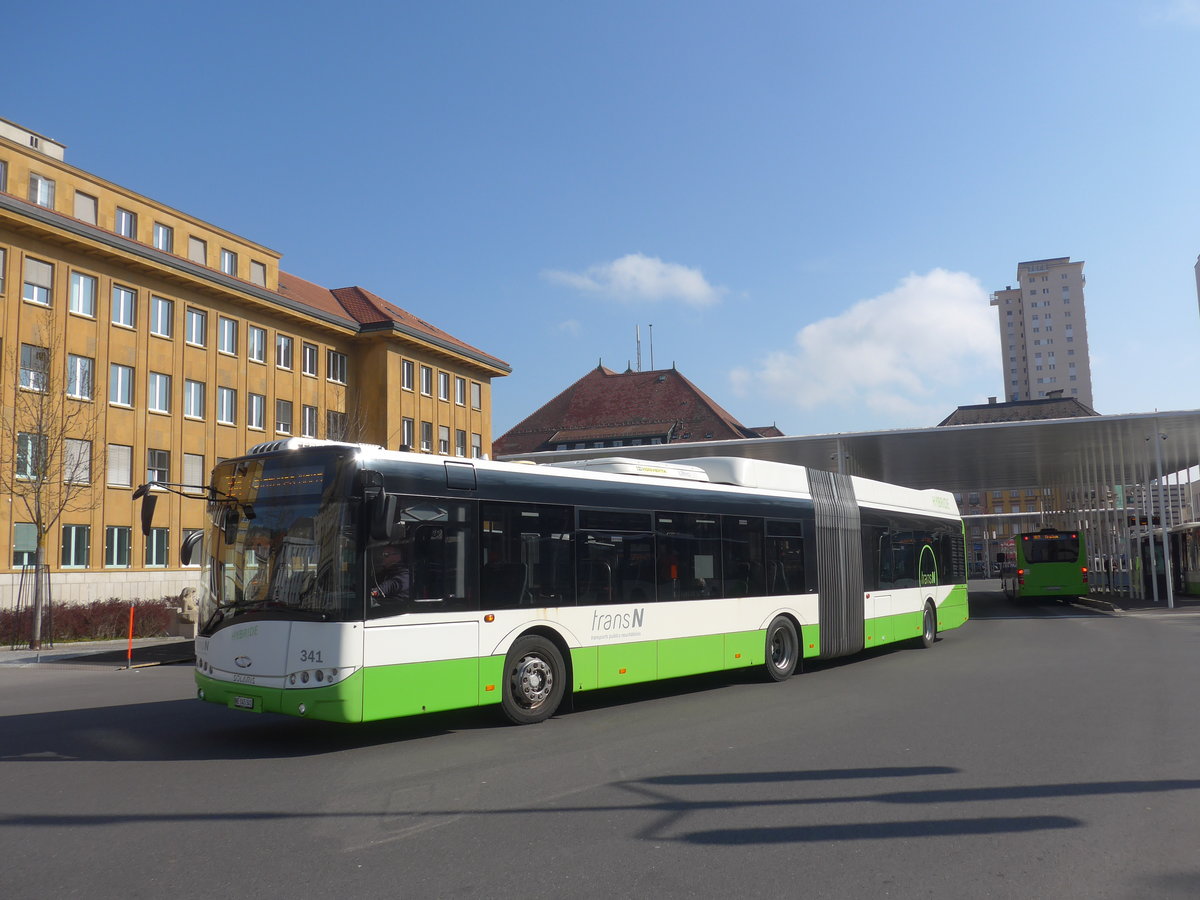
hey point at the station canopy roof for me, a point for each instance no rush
(1090, 450)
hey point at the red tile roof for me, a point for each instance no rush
(360, 307)
(604, 405)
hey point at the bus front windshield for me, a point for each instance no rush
(280, 542)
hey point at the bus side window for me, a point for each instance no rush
(525, 555)
(615, 567)
(437, 544)
(689, 553)
(742, 550)
(787, 572)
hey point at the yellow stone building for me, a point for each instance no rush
(177, 343)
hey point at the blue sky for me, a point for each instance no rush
(809, 202)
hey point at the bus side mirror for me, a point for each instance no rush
(189, 546)
(149, 501)
(382, 513)
(229, 526)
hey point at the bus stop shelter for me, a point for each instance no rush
(1092, 460)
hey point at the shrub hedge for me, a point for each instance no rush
(100, 620)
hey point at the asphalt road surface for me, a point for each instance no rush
(1041, 750)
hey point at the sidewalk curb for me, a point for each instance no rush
(1103, 606)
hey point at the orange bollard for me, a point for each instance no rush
(129, 654)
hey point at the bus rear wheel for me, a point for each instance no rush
(928, 626)
(783, 649)
(534, 680)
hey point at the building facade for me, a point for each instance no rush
(1043, 332)
(146, 345)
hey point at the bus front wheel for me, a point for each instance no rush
(928, 626)
(534, 680)
(783, 649)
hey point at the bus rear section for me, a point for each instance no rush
(1050, 563)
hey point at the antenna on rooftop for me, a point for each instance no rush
(651, 327)
(637, 330)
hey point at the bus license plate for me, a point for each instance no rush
(243, 702)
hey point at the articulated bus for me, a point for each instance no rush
(349, 583)
(1048, 563)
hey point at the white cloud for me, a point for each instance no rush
(907, 356)
(571, 327)
(636, 277)
(1176, 12)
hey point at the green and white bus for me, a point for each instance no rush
(1048, 563)
(350, 583)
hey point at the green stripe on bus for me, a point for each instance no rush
(340, 702)
(425, 687)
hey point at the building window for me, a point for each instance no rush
(85, 207)
(120, 385)
(256, 408)
(283, 351)
(39, 278)
(193, 472)
(79, 377)
(308, 358)
(460, 442)
(444, 440)
(193, 399)
(258, 273)
(476, 446)
(159, 396)
(427, 381)
(123, 304)
(41, 191)
(77, 461)
(406, 433)
(196, 327)
(158, 465)
(24, 544)
(31, 455)
(226, 406)
(116, 547)
(198, 250)
(427, 436)
(229, 262)
(75, 546)
(34, 365)
(164, 237)
(156, 548)
(256, 344)
(335, 425)
(227, 335)
(283, 416)
(335, 366)
(476, 395)
(460, 391)
(308, 421)
(120, 465)
(126, 223)
(444, 386)
(83, 294)
(406, 375)
(3, 267)
(162, 313)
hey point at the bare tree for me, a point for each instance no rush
(47, 445)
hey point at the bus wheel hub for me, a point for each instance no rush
(535, 679)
